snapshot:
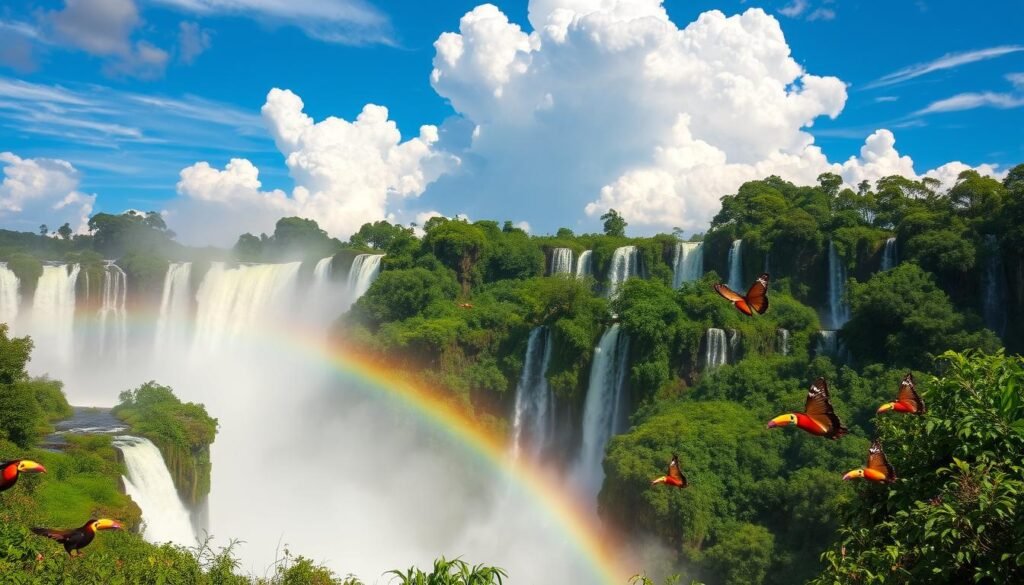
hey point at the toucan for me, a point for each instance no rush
(673, 476)
(9, 471)
(77, 538)
(907, 399)
(878, 468)
(756, 299)
(818, 418)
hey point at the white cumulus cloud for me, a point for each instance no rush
(345, 173)
(42, 191)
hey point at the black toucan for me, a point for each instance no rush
(76, 538)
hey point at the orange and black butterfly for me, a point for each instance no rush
(673, 476)
(878, 469)
(907, 399)
(756, 299)
(818, 417)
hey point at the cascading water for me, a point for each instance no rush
(164, 517)
(583, 264)
(839, 311)
(828, 343)
(561, 261)
(113, 326)
(736, 266)
(688, 264)
(231, 301)
(993, 287)
(782, 341)
(10, 298)
(364, 270)
(534, 421)
(624, 265)
(605, 408)
(716, 348)
(889, 254)
(53, 314)
(175, 307)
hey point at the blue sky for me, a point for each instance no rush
(130, 92)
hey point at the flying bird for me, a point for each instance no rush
(907, 399)
(465, 305)
(756, 299)
(673, 476)
(818, 418)
(878, 468)
(78, 538)
(10, 470)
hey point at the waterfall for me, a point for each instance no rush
(839, 311)
(534, 421)
(175, 307)
(322, 270)
(583, 264)
(364, 270)
(53, 311)
(605, 408)
(9, 296)
(231, 301)
(688, 264)
(993, 287)
(828, 344)
(164, 517)
(716, 352)
(113, 318)
(782, 341)
(561, 261)
(736, 267)
(624, 266)
(734, 346)
(889, 254)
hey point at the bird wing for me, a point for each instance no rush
(757, 296)
(819, 408)
(878, 462)
(673, 469)
(908, 394)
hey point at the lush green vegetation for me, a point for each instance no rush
(182, 431)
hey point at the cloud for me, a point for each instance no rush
(886, 98)
(822, 14)
(345, 173)
(798, 7)
(948, 173)
(16, 46)
(949, 61)
(972, 100)
(104, 28)
(794, 8)
(42, 190)
(349, 22)
(1017, 79)
(192, 41)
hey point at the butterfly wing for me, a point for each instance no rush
(757, 296)
(735, 298)
(819, 408)
(909, 396)
(878, 462)
(674, 472)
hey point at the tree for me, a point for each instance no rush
(379, 235)
(955, 514)
(459, 246)
(830, 183)
(614, 224)
(401, 294)
(65, 231)
(43, 230)
(248, 248)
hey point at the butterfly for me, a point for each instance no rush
(756, 299)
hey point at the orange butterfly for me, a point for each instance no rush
(756, 299)
(673, 476)
(878, 468)
(907, 399)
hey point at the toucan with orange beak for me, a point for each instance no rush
(78, 538)
(878, 469)
(673, 477)
(10, 470)
(907, 399)
(818, 418)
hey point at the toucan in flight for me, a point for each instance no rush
(10, 470)
(673, 476)
(756, 299)
(907, 399)
(878, 468)
(77, 538)
(818, 418)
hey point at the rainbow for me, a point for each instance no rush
(586, 536)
